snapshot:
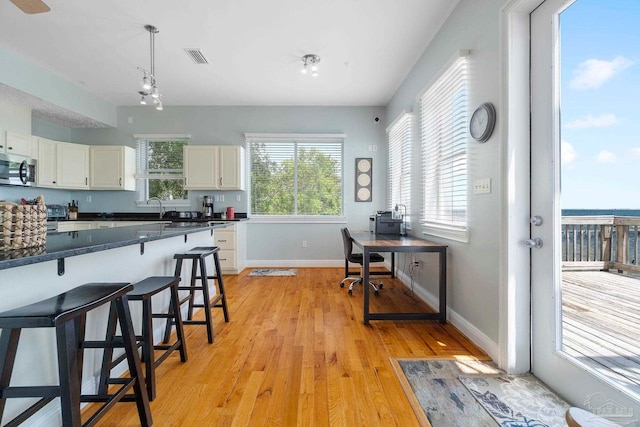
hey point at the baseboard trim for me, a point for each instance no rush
(474, 334)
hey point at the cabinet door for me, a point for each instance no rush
(19, 144)
(231, 168)
(112, 168)
(73, 165)
(47, 159)
(200, 167)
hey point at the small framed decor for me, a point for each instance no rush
(364, 166)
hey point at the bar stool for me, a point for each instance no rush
(143, 291)
(67, 314)
(197, 256)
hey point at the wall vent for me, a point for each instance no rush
(196, 56)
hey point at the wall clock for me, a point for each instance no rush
(364, 168)
(482, 122)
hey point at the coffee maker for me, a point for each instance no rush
(207, 207)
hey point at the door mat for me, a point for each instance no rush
(472, 393)
(273, 272)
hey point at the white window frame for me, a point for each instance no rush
(444, 137)
(400, 137)
(302, 138)
(142, 182)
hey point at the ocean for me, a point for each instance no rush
(591, 212)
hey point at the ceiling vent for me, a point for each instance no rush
(196, 56)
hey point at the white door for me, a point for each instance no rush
(569, 376)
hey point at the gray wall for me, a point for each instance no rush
(473, 267)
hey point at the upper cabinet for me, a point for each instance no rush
(16, 143)
(62, 165)
(112, 168)
(208, 167)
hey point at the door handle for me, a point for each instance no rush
(536, 220)
(533, 243)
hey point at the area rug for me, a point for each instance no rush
(473, 393)
(273, 272)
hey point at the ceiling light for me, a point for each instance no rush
(310, 61)
(149, 84)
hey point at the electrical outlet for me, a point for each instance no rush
(417, 264)
(88, 199)
(304, 243)
(238, 198)
(482, 186)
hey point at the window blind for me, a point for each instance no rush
(295, 177)
(443, 124)
(399, 176)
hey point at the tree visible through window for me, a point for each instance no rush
(296, 177)
(160, 166)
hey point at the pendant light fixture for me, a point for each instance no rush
(310, 63)
(149, 87)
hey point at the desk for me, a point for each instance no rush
(370, 242)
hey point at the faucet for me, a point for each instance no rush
(160, 202)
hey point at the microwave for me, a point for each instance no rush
(17, 170)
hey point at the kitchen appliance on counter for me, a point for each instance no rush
(55, 213)
(383, 222)
(17, 170)
(207, 207)
(182, 215)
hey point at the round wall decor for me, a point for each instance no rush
(482, 122)
(364, 168)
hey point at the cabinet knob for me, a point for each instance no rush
(1, 146)
(220, 181)
(10, 148)
(120, 181)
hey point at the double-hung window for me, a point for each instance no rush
(295, 175)
(399, 173)
(443, 135)
(160, 167)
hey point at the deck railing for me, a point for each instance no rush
(600, 243)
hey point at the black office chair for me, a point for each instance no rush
(358, 259)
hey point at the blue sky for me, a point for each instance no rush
(600, 107)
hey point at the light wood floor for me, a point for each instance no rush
(296, 353)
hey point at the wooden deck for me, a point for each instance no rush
(601, 318)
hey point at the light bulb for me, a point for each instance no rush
(314, 73)
(304, 69)
(314, 67)
(154, 93)
(143, 101)
(159, 106)
(146, 82)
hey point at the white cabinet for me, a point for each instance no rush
(74, 226)
(112, 168)
(16, 143)
(62, 165)
(73, 165)
(231, 241)
(210, 167)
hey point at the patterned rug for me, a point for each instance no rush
(472, 393)
(273, 272)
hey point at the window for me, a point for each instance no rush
(443, 133)
(399, 177)
(160, 171)
(295, 175)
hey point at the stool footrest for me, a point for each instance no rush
(31, 391)
(194, 322)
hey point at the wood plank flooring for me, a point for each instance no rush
(296, 353)
(600, 318)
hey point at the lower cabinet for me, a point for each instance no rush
(231, 241)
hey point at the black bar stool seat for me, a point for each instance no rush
(143, 291)
(67, 314)
(198, 255)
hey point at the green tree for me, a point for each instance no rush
(166, 157)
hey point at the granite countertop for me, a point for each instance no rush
(146, 216)
(72, 243)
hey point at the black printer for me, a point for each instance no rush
(383, 222)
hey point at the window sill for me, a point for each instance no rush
(297, 219)
(456, 233)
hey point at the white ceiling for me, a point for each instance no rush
(253, 46)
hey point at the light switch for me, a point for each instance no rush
(482, 186)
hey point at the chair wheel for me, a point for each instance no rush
(350, 292)
(342, 285)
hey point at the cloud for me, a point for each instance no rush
(592, 73)
(606, 157)
(602, 121)
(567, 154)
(635, 152)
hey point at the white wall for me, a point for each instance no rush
(473, 267)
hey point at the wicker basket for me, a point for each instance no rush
(23, 226)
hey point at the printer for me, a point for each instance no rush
(383, 222)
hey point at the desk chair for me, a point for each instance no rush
(358, 259)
